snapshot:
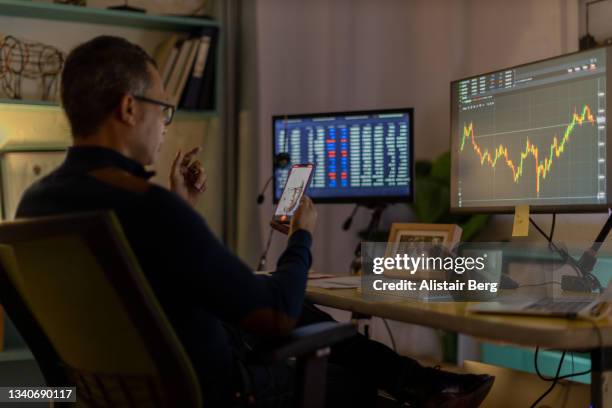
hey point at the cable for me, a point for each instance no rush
(349, 220)
(552, 227)
(549, 236)
(562, 377)
(537, 370)
(261, 197)
(555, 379)
(390, 334)
(262, 259)
(558, 377)
(564, 255)
(573, 374)
(540, 284)
(280, 161)
(545, 235)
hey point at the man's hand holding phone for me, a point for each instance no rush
(291, 199)
(305, 216)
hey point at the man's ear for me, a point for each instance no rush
(127, 110)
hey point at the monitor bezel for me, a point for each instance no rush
(409, 198)
(538, 209)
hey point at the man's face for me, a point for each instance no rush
(149, 132)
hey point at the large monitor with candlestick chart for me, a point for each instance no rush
(533, 134)
(359, 157)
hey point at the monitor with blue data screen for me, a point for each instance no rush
(359, 157)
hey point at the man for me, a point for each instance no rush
(118, 112)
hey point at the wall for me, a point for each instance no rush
(363, 54)
(599, 19)
(346, 55)
(349, 55)
(24, 125)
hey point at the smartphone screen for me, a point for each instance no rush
(296, 185)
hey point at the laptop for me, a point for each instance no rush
(570, 308)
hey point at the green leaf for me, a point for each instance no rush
(473, 225)
(441, 168)
(422, 168)
(432, 197)
(431, 200)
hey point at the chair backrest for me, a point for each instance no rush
(81, 282)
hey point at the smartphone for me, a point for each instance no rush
(297, 183)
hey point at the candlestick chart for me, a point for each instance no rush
(543, 146)
(541, 158)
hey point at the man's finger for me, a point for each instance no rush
(174, 169)
(194, 170)
(201, 182)
(197, 174)
(190, 155)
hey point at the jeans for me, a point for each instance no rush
(357, 368)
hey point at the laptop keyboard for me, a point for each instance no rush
(558, 305)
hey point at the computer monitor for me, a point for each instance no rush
(533, 134)
(359, 157)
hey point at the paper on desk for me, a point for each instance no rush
(342, 282)
(313, 275)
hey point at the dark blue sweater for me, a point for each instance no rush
(198, 281)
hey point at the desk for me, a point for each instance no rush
(553, 333)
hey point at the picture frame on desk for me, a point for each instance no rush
(415, 239)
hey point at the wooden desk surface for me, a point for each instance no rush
(527, 331)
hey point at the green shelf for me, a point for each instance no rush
(63, 12)
(194, 114)
(191, 114)
(16, 355)
(15, 148)
(28, 102)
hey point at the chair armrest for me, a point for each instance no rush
(303, 340)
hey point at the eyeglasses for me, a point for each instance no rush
(168, 108)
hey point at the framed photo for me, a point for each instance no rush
(417, 239)
(19, 169)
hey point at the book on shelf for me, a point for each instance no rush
(169, 65)
(206, 100)
(163, 52)
(181, 70)
(193, 89)
(187, 69)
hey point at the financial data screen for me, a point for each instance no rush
(534, 134)
(294, 189)
(357, 156)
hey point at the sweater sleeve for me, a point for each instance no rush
(210, 274)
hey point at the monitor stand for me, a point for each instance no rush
(126, 7)
(587, 262)
(377, 210)
(586, 282)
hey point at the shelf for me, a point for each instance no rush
(14, 148)
(79, 14)
(195, 114)
(16, 355)
(54, 106)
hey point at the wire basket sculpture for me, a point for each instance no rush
(28, 60)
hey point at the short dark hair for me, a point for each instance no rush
(96, 75)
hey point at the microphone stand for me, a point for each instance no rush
(263, 258)
(372, 226)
